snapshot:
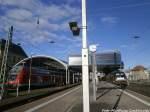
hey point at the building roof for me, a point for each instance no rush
(138, 68)
(109, 52)
(17, 49)
(75, 55)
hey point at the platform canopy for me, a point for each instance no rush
(43, 61)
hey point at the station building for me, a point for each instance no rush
(15, 53)
(139, 72)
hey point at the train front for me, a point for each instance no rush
(15, 76)
(120, 79)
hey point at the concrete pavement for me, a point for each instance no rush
(109, 98)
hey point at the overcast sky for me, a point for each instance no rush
(111, 23)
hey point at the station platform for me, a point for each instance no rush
(25, 97)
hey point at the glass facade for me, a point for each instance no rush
(108, 58)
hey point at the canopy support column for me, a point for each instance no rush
(66, 76)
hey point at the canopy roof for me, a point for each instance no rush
(43, 61)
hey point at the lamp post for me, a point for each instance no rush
(94, 69)
(85, 62)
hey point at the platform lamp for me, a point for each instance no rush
(74, 28)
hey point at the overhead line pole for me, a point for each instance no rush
(29, 85)
(85, 63)
(4, 62)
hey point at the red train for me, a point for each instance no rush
(38, 77)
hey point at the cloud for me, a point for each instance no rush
(109, 20)
(24, 14)
(19, 14)
(51, 11)
(26, 4)
(55, 12)
(40, 37)
(73, 1)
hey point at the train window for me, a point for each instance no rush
(117, 74)
(14, 60)
(12, 77)
(15, 70)
(120, 76)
